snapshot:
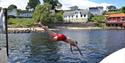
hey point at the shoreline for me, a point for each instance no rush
(92, 28)
(27, 30)
(80, 28)
(39, 29)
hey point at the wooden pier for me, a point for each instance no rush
(3, 55)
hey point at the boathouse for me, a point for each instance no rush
(116, 20)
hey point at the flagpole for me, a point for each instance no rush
(6, 32)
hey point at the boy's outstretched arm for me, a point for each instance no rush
(46, 29)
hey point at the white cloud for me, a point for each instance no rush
(21, 4)
(82, 4)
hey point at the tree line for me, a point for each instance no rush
(48, 13)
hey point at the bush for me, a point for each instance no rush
(98, 19)
(59, 16)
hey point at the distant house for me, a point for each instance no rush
(20, 13)
(111, 8)
(12, 13)
(76, 15)
(12, 10)
(96, 10)
(116, 20)
(25, 14)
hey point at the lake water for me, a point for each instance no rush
(35, 48)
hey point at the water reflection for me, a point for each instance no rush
(115, 41)
(35, 47)
(43, 51)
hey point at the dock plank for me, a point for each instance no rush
(3, 55)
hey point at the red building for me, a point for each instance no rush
(116, 20)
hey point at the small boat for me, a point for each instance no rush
(116, 57)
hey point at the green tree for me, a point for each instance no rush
(59, 16)
(11, 7)
(123, 9)
(99, 20)
(55, 4)
(42, 14)
(32, 4)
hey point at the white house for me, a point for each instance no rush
(20, 13)
(76, 16)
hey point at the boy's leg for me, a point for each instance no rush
(71, 49)
(79, 50)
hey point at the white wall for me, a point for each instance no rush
(76, 19)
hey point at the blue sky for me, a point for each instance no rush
(117, 3)
(82, 4)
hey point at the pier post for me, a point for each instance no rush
(6, 32)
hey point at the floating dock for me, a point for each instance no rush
(3, 55)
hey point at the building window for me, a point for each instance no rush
(69, 16)
(81, 15)
(84, 15)
(76, 16)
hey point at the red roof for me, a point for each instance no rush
(117, 15)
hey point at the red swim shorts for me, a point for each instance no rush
(60, 37)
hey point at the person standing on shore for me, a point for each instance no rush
(61, 37)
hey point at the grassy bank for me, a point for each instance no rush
(20, 22)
